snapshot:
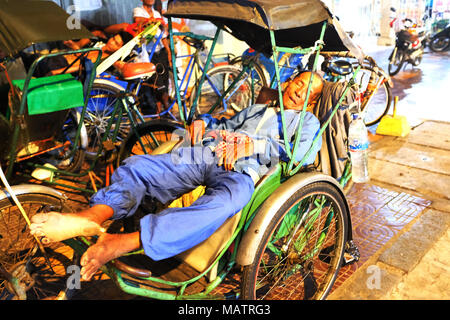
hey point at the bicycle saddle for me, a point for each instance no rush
(131, 71)
(340, 67)
(193, 42)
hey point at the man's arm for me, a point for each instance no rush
(269, 145)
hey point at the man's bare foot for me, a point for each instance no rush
(55, 226)
(108, 247)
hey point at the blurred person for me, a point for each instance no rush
(150, 11)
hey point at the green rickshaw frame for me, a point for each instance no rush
(278, 176)
(252, 212)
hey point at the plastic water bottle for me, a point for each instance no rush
(358, 144)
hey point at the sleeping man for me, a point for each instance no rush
(228, 160)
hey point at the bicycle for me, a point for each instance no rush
(151, 132)
(375, 85)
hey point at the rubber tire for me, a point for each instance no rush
(260, 72)
(22, 237)
(147, 128)
(251, 271)
(92, 151)
(393, 72)
(227, 70)
(384, 111)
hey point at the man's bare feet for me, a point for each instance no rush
(108, 247)
(55, 226)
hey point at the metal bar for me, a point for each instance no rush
(280, 93)
(192, 35)
(175, 71)
(318, 136)
(298, 134)
(294, 50)
(202, 79)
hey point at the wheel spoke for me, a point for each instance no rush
(303, 251)
(20, 256)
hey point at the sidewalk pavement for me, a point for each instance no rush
(416, 263)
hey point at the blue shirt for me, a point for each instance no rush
(263, 124)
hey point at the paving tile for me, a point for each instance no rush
(412, 245)
(410, 178)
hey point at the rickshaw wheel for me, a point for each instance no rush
(221, 78)
(381, 99)
(40, 277)
(302, 249)
(98, 115)
(150, 135)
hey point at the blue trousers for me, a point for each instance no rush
(165, 178)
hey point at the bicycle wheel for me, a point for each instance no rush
(218, 80)
(99, 114)
(257, 75)
(65, 158)
(149, 136)
(396, 61)
(379, 103)
(39, 277)
(302, 249)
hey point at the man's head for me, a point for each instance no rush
(117, 41)
(294, 95)
(113, 44)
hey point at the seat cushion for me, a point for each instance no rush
(132, 71)
(53, 93)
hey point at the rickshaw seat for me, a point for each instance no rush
(201, 256)
(131, 71)
(52, 93)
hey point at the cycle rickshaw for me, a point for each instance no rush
(295, 233)
(42, 119)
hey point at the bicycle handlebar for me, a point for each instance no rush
(347, 54)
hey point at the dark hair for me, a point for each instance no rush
(126, 36)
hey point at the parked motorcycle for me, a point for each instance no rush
(441, 40)
(409, 48)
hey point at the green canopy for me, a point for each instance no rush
(24, 22)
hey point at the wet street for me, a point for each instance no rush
(413, 264)
(423, 91)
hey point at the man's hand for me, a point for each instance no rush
(232, 148)
(196, 131)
